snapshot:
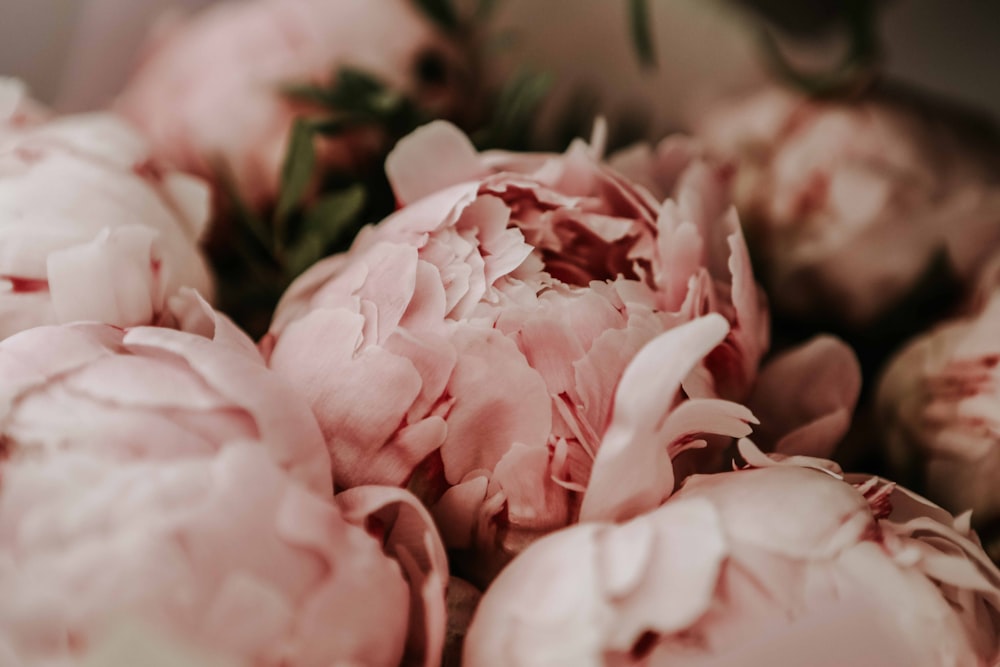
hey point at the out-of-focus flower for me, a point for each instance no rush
(90, 227)
(470, 346)
(17, 109)
(228, 553)
(210, 90)
(129, 643)
(777, 565)
(849, 205)
(152, 393)
(937, 404)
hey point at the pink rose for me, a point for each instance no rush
(937, 405)
(151, 393)
(209, 90)
(778, 565)
(228, 553)
(470, 346)
(850, 204)
(91, 228)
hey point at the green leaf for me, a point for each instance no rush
(308, 93)
(249, 224)
(855, 71)
(515, 111)
(332, 219)
(485, 10)
(296, 175)
(642, 32)
(441, 12)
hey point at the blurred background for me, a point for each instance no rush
(704, 48)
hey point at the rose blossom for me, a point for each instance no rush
(470, 345)
(152, 393)
(776, 565)
(228, 553)
(937, 404)
(849, 204)
(208, 92)
(90, 228)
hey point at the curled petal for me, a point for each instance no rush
(409, 536)
(633, 471)
(113, 279)
(805, 397)
(455, 161)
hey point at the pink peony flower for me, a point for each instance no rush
(778, 565)
(91, 228)
(470, 346)
(152, 393)
(850, 204)
(229, 554)
(209, 90)
(937, 405)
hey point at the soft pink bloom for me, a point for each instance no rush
(152, 393)
(849, 204)
(228, 553)
(209, 90)
(470, 345)
(778, 565)
(90, 228)
(938, 406)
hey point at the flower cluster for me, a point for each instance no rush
(531, 417)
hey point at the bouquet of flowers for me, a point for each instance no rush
(315, 351)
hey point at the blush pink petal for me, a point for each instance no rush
(580, 624)
(825, 376)
(755, 566)
(153, 393)
(229, 553)
(499, 400)
(633, 472)
(534, 502)
(359, 396)
(409, 536)
(457, 511)
(455, 161)
(189, 311)
(113, 279)
(91, 228)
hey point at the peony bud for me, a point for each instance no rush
(91, 228)
(152, 393)
(937, 405)
(228, 554)
(850, 205)
(210, 91)
(779, 565)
